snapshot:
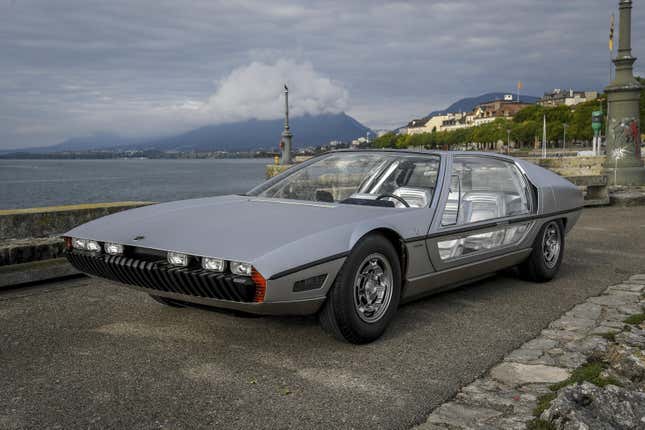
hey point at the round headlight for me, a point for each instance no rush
(240, 268)
(214, 264)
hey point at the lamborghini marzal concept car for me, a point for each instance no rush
(347, 235)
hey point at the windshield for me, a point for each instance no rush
(401, 180)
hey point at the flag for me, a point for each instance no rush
(519, 85)
(611, 33)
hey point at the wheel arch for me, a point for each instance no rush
(397, 242)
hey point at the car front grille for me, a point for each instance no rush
(160, 276)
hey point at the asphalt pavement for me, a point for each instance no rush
(88, 354)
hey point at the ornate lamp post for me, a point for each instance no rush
(623, 102)
(285, 143)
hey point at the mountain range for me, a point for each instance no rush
(308, 130)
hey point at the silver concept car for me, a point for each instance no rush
(347, 235)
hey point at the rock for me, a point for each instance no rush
(635, 288)
(589, 345)
(586, 406)
(628, 363)
(614, 300)
(638, 278)
(541, 343)
(524, 355)
(518, 374)
(600, 330)
(634, 338)
(490, 394)
(459, 416)
(562, 335)
(570, 360)
(573, 324)
(590, 311)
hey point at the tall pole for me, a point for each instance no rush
(544, 138)
(611, 43)
(564, 139)
(508, 141)
(286, 134)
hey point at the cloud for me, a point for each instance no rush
(255, 91)
(73, 67)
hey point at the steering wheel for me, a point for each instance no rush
(392, 196)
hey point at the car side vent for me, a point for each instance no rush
(309, 283)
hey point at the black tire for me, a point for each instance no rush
(340, 313)
(538, 267)
(168, 302)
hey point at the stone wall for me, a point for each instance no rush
(275, 169)
(50, 221)
(571, 166)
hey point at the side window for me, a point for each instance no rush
(484, 188)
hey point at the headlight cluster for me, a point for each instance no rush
(211, 263)
(94, 246)
(175, 258)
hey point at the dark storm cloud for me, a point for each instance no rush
(153, 67)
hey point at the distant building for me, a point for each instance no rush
(416, 126)
(490, 111)
(449, 121)
(559, 97)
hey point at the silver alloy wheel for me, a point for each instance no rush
(373, 285)
(551, 244)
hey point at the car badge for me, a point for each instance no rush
(139, 237)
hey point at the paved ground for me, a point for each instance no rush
(85, 354)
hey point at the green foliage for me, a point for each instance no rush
(388, 140)
(589, 372)
(580, 123)
(635, 319)
(611, 337)
(538, 424)
(544, 402)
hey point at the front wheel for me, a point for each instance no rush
(545, 259)
(366, 293)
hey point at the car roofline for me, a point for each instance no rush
(443, 153)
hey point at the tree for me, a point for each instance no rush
(388, 140)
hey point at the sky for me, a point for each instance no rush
(142, 68)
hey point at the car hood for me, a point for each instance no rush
(231, 227)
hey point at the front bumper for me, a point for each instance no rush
(192, 285)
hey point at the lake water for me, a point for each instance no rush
(33, 183)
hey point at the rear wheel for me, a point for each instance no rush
(366, 293)
(545, 259)
(167, 302)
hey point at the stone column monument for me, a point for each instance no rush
(285, 144)
(623, 100)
